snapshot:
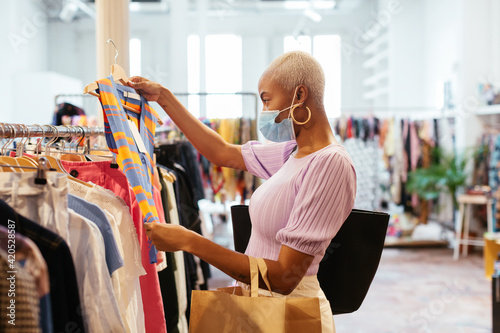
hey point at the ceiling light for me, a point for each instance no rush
(312, 15)
(324, 4)
(296, 4)
(68, 12)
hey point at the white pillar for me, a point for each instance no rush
(112, 22)
(202, 33)
(178, 46)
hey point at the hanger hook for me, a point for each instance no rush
(3, 134)
(51, 142)
(22, 142)
(116, 49)
(63, 147)
(82, 132)
(37, 142)
(12, 131)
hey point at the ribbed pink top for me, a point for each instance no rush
(303, 202)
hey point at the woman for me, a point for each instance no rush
(310, 187)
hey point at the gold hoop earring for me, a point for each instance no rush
(298, 122)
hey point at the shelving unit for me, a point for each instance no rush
(488, 110)
(377, 84)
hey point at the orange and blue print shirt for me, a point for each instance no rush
(135, 162)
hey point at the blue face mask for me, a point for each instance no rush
(273, 131)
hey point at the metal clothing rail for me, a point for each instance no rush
(414, 113)
(12, 131)
(242, 93)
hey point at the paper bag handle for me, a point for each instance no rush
(256, 265)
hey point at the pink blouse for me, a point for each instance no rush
(303, 202)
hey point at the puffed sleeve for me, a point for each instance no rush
(323, 202)
(264, 160)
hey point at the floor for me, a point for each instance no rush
(415, 290)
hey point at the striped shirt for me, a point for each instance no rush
(303, 202)
(136, 164)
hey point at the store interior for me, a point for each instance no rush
(412, 93)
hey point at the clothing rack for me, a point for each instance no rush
(12, 131)
(411, 112)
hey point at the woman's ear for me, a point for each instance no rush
(302, 93)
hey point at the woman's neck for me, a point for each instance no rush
(315, 136)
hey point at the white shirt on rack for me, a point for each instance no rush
(125, 280)
(99, 306)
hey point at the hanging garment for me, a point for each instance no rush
(64, 297)
(101, 173)
(26, 313)
(133, 152)
(180, 273)
(126, 279)
(93, 279)
(20, 191)
(415, 153)
(248, 178)
(189, 217)
(161, 258)
(68, 110)
(167, 276)
(95, 214)
(23, 253)
(227, 130)
(46, 205)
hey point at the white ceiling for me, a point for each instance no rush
(228, 7)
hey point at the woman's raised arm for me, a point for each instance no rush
(205, 140)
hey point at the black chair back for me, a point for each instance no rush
(350, 262)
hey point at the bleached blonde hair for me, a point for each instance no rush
(294, 68)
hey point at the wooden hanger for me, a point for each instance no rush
(119, 75)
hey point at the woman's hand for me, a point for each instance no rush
(167, 237)
(150, 90)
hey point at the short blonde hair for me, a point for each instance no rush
(294, 68)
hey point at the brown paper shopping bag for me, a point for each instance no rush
(234, 310)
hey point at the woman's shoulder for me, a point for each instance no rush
(332, 153)
(332, 158)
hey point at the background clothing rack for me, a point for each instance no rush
(413, 113)
(242, 93)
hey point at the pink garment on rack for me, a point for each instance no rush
(161, 263)
(101, 173)
(414, 156)
(404, 170)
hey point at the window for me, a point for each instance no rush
(223, 74)
(194, 74)
(135, 57)
(326, 49)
